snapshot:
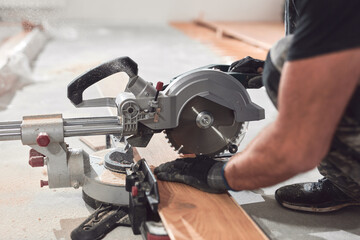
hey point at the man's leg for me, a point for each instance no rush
(341, 166)
(340, 186)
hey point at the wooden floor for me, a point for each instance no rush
(261, 34)
(234, 39)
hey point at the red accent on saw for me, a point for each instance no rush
(134, 191)
(44, 183)
(36, 161)
(43, 139)
(34, 153)
(159, 86)
(149, 236)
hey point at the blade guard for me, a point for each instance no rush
(216, 86)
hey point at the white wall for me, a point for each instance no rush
(159, 11)
(151, 11)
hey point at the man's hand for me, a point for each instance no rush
(249, 65)
(201, 172)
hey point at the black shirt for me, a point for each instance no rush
(325, 26)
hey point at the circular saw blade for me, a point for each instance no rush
(190, 137)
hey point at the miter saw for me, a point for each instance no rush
(204, 111)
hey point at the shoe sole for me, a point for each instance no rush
(314, 209)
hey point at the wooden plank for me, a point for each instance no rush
(261, 34)
(96, 143)
(188, 213)
(231, 48)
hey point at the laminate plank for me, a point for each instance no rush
(261, 34)
(230, 48)
(188, 213)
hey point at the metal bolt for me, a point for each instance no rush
(76, 185)
(43, 139)
(204, 120)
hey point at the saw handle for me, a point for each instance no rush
(80, 84)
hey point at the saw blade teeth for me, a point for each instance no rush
(169, 141)
(189, 142)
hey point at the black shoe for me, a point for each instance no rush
(321, 196)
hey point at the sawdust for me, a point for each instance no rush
(76, 69)
(14, 200)
(112, 178)
(15, 185)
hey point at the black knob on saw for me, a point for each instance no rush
(233, 148)
(78, 85)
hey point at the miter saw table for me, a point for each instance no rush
(204, 111)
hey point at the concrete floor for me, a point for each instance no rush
(29, 212)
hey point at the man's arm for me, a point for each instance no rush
(313, 95)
